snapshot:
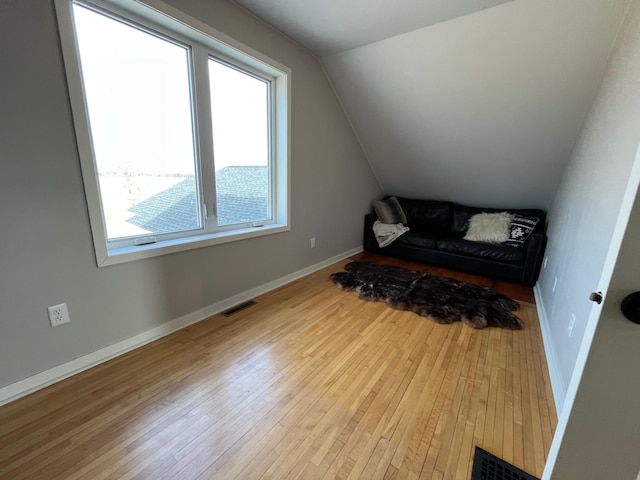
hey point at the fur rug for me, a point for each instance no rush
(445, 300)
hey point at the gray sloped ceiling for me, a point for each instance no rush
(331, 26)
(482, 109)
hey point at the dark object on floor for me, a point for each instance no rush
(444, 299)
(436, 236)
(490, 467)
(238, 308)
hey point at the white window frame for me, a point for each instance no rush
(205, 40)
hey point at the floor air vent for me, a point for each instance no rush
(237, 308)
(489, 467)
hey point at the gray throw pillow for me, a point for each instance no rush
(389, 211)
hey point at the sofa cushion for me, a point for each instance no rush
(427, 215)
(498, 253)
(460, 217)
(417, 239)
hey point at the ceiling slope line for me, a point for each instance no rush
(333, 88)
(353, 128)
(277, 30)
(417, 29)
(307, 21)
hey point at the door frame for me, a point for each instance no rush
(624, 215)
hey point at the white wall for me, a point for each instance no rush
(46, 254)
(585, 209)
(597, 433)
(482, 109)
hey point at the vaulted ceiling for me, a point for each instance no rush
(476, 101)
(332, 26)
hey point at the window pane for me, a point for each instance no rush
(139, 103)
(239, 110)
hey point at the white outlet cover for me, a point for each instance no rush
(58, 314)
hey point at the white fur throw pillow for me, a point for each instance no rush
(489, 227)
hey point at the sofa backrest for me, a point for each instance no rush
(427, 215)
(442, 217)
(461, 215)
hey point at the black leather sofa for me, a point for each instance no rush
(435, 236)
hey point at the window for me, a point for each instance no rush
(182, 132)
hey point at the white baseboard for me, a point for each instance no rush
(24, 387)
(557, 384)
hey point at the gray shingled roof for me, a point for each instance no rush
(242, 194)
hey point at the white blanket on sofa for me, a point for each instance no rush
(386, 233)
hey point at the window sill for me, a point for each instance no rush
(130, 254)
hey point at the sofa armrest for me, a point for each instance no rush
(534, 252)
(369, 243)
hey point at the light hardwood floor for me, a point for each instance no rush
(310, 383)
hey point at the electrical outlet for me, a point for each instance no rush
(555, 282)
(546, 259)
(572, 322)
(313, 242)
(58, 314)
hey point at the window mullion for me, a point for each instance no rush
(202, 102)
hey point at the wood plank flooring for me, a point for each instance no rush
(310, 383)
